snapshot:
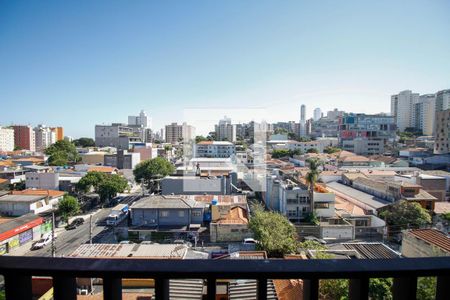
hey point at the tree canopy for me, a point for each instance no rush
(312, 150)
(62, 153)
(275, 234)
(106, 185)
(405, 214)
(68, 207)
(331, 150)
(84, 142)
(149, 171)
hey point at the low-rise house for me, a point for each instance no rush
(425, 243)
(53, 196)
(19, 205)
(435, 185)
(93, 157)
(233, 227)
(166, 211)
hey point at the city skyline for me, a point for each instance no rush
(81, 66)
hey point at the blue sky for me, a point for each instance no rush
(78, 63)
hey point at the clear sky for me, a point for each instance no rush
(78, 63)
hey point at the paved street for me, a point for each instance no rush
(68, 240)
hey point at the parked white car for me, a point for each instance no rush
(45, 240)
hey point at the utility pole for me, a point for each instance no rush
(53, 235)
(90, 229)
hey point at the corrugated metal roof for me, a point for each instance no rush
(372, 250)
(166, 201)
(174, 251)
(246, 290)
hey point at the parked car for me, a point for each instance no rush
(126, 242)
(45, 240)
(75, 223)
(313, 238)
(248, 241)
(183, 242)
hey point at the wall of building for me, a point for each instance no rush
(229, 232)
(414, 247)
(45, 181)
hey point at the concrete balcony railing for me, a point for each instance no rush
(18, 272)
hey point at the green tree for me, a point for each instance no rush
(331, 150)
(62, 153)
(312, 177)
(280, 153)
(84, 142)
(149, 172)
(312, 150)
(68, 207)
(426, 288)
(280, 131)
(380, 288)
(17, 148)
(89, 181)
(331, 289)
(110, 186)
(200, 138)
(404, 214)
(275, 234)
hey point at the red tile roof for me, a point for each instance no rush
(434, 237)
(38, 192)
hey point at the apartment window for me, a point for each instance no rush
(291, 201)
(181, 213)
(321, 205)
(164, 213)
(292, 213)
(196, 213)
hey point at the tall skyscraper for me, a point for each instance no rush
(403, 109)
(317, 114)
(302, 132)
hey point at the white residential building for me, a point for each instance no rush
(6, 139)
(215, 149)
(403, 109)
(425, 113)
(44, 136)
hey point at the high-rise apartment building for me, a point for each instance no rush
(24, 137)
(302, 131)
(317, 114)
(425, 114)
(442, 100)
(334, 114)
(177, 133)
(59, 133)
(44, 136)
(365, 134)
(6, 139)
(141, 120)
(225, 131)
(403, 109)
(442, 140)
